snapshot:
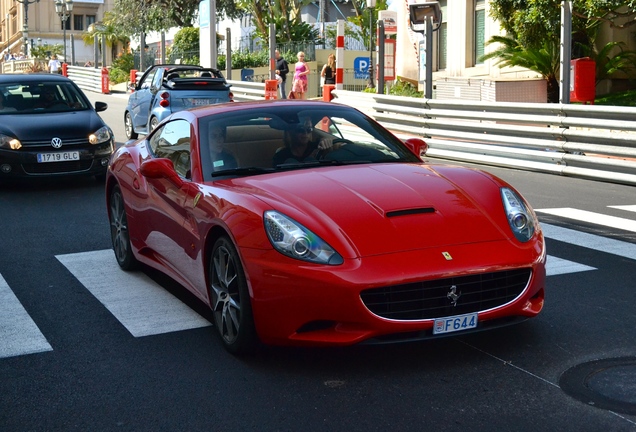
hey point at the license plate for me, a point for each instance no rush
(200, 102)
(58, 157)
(455, 323)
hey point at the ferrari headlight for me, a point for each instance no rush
(294, 240)
(9, 142)
(102, 135)
(521, 219)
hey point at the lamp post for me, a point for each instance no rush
(64, 9)
(371, 6)
(25, 27)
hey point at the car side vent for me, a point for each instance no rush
(412, 211)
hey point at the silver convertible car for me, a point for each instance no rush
(165, 89)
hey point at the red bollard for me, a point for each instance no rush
(271, 89)
(105, 81)
(65, 69)
(326, 92)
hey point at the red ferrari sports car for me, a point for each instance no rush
(308, 223)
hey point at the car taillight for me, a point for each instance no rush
(164, 102)
(231, 95)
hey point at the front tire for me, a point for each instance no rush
(128, 126)
(119, 234)
(230, 300)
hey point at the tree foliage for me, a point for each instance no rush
(544, 60)
(186, 45)
(363, 32)
(285, 15)
(132, 17)
(106, 31)
(45, 51)
(531, 22)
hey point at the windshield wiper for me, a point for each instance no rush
(242, 171)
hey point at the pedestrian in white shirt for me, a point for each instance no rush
(54, 64)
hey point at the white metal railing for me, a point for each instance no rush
(246, 90)
(586, 141)
(86, 78)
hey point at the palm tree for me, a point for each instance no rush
(106, 31)
(545, 60)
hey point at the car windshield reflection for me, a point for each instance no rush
(283, 138)
(41, 97)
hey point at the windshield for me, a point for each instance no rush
(282, 137)
(18, 98)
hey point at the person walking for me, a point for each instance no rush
(54, 64)
(282, 69)
(299, 87)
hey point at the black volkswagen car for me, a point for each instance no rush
(49, 128)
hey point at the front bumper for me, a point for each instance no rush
(93, 160)
(296, 303)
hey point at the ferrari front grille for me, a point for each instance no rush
(446, 297)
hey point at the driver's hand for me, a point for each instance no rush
(325, 144)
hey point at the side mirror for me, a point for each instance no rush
(100, 106)
(417, 146)
(161, 168)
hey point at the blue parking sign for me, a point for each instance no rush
(361, 67)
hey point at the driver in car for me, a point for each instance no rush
(47, 99)
(300, 145)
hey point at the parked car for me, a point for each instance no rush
(308, 223)
(49, 128)
(165, 89)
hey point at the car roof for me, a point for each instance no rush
(33, 78)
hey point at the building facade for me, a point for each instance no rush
(27, 23)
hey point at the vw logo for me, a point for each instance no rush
(56, 142)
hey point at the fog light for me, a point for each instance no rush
(104, 162)
(5, 168)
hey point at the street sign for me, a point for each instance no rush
(390, 21)
(361, 67)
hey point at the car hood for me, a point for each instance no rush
(386, 208)
(30, 127)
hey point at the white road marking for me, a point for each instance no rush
(19, 334)
(142, 306)
(557, 266)
(631, 208)
(591, 217)
(590, 241)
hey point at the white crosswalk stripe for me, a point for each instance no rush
(142, 306)
(591, 217)
(19, 334)
(557, 266)
(590, 241)
(631, 208)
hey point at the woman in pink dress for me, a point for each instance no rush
(299, 87)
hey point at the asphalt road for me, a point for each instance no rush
(75, 363)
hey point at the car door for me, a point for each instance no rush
(166, 234)
(140, 101)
